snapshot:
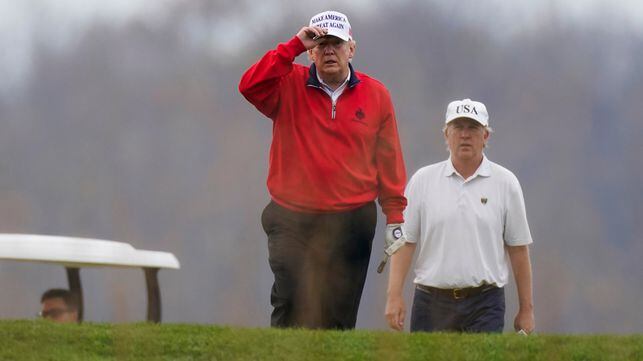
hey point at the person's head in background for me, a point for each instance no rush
(59, 305)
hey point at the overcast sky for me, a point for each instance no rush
(58, 23)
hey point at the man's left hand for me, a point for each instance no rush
(394, 239)
(525, 321)
(394, 233)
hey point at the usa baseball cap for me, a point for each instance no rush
(467, 108)
(335, 23)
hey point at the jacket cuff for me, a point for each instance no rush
(295, 46)
(394, 217)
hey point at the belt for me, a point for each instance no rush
(457, 293)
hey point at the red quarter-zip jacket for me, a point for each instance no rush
(326, 158)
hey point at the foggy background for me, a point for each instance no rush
(122, 120)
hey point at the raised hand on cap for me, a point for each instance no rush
(310, 35)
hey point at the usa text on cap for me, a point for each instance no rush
(467, 108)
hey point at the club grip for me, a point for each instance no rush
(380, 268)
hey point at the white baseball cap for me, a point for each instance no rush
(334, 22)
(467, 108)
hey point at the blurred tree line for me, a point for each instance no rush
(138, 133)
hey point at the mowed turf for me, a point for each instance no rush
(41, 340)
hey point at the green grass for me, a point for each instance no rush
(41, 340)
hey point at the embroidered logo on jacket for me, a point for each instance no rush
(360, 116)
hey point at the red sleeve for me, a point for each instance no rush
(260, 83)
(390, 165)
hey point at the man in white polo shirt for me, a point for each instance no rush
(468, 216)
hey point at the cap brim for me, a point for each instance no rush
(338, 34)
(458, 116)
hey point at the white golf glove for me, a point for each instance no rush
(394, 238)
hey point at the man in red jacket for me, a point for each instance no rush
(335, 149)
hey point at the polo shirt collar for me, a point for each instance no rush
(449, 170)
(484, 170)
(342, 86)
(312, 80)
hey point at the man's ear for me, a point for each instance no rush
(352, 45)
(311, 57)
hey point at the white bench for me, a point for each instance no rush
(74, 253)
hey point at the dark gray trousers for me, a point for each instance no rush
(320, 263)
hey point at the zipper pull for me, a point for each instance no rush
(334, 107)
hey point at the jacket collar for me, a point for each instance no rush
(313, 81)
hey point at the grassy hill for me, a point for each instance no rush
(40, 340)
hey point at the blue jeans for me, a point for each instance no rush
(484, 312)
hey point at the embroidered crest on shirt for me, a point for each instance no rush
(483, 200)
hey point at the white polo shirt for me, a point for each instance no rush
(463, 225)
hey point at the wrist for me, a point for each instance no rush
(392, 293)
